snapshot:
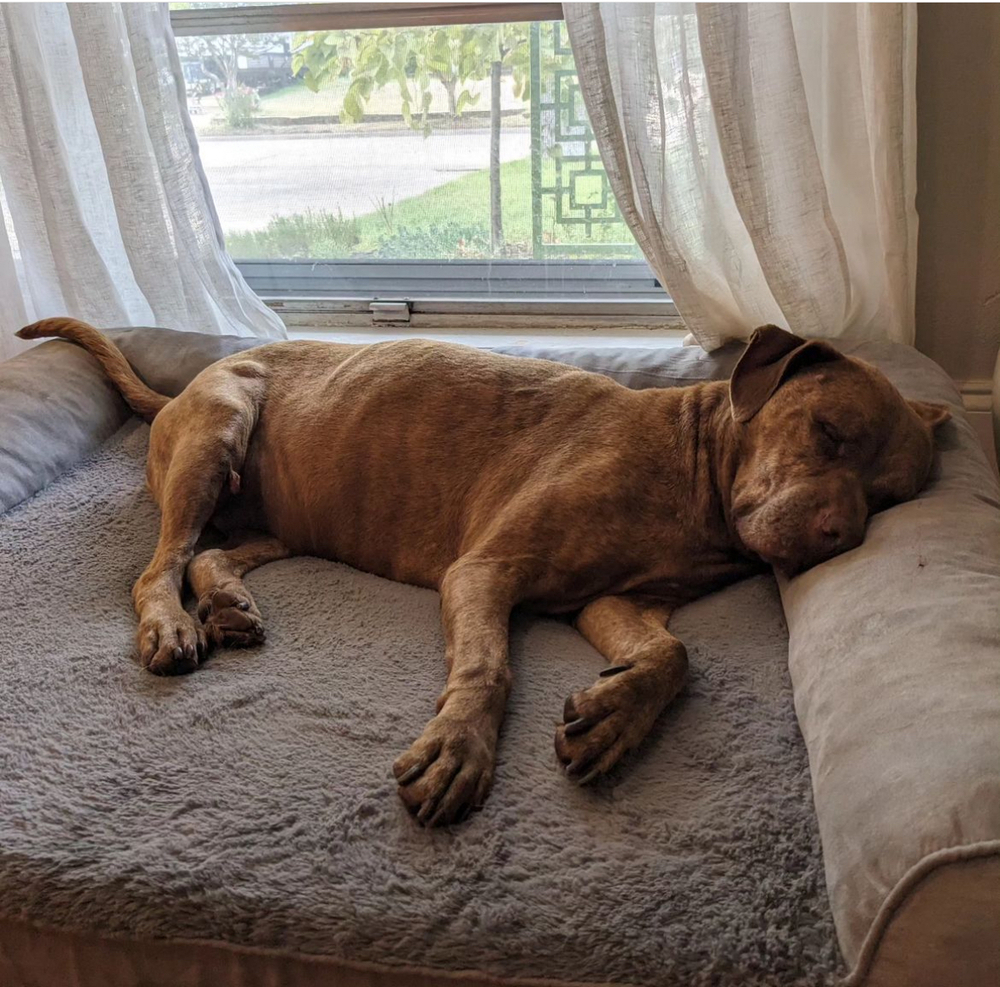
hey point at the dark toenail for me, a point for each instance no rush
(414, 772)
(243, 605)
(178, 654)
(576, 726)
(615, 670)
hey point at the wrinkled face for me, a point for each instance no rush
(834, 443)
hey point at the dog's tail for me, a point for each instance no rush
(141, 399)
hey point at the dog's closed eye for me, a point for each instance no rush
(833, 438)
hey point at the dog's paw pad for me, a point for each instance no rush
(231, 619)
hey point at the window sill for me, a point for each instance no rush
(564, 325)
(485, 338)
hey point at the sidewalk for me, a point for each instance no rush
(254, 177)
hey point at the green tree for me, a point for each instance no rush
(410, 59)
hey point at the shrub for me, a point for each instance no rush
(239, 106)
(301, 235)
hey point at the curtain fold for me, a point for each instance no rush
(107, 214)
(763, 155)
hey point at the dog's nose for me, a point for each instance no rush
(835, 531)
(830, 526)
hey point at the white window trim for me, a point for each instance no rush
(608, 317)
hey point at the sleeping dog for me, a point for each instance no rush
(503, 481)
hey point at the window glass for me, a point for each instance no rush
(454, 143)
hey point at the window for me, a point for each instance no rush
(377, 163)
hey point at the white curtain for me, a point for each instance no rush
(763, 155)
(107, 214)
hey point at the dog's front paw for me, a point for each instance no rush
(448, 771)
(231, 619)
(170, 641)
(603, 722)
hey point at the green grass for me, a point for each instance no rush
(449, 222)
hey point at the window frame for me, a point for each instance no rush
(624, 295)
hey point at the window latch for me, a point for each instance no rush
(383, 312)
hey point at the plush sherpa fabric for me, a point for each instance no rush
(252, 802)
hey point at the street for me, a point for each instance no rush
(255, 178)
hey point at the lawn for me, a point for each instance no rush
(449, 222)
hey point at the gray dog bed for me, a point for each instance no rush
(252, 802)
(252, 805)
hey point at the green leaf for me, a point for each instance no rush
(298, 60)
(407, 115)
(465, 98)
(471, 66)
(352, 109)
(310, 82)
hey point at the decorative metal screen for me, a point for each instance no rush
(574, 213)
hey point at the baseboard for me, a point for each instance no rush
(977, 396)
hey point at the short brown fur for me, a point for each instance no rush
(501, 482)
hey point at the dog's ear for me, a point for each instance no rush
(930, 413)
(771, 357)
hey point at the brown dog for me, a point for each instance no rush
(503, 481)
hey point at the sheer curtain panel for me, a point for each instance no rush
(107, 215)
(763, 155)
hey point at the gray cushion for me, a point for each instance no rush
(55, 408)
(894, 652)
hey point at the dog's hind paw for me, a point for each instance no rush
(230, 619)
(170, 642)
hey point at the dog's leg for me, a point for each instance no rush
(648, 668)
(449, 769)
(225, 607)
(170, 641)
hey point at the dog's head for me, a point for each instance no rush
(824, 441)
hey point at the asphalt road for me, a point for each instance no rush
(255, 178)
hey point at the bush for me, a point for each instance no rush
(302, 235)
(239, 106)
